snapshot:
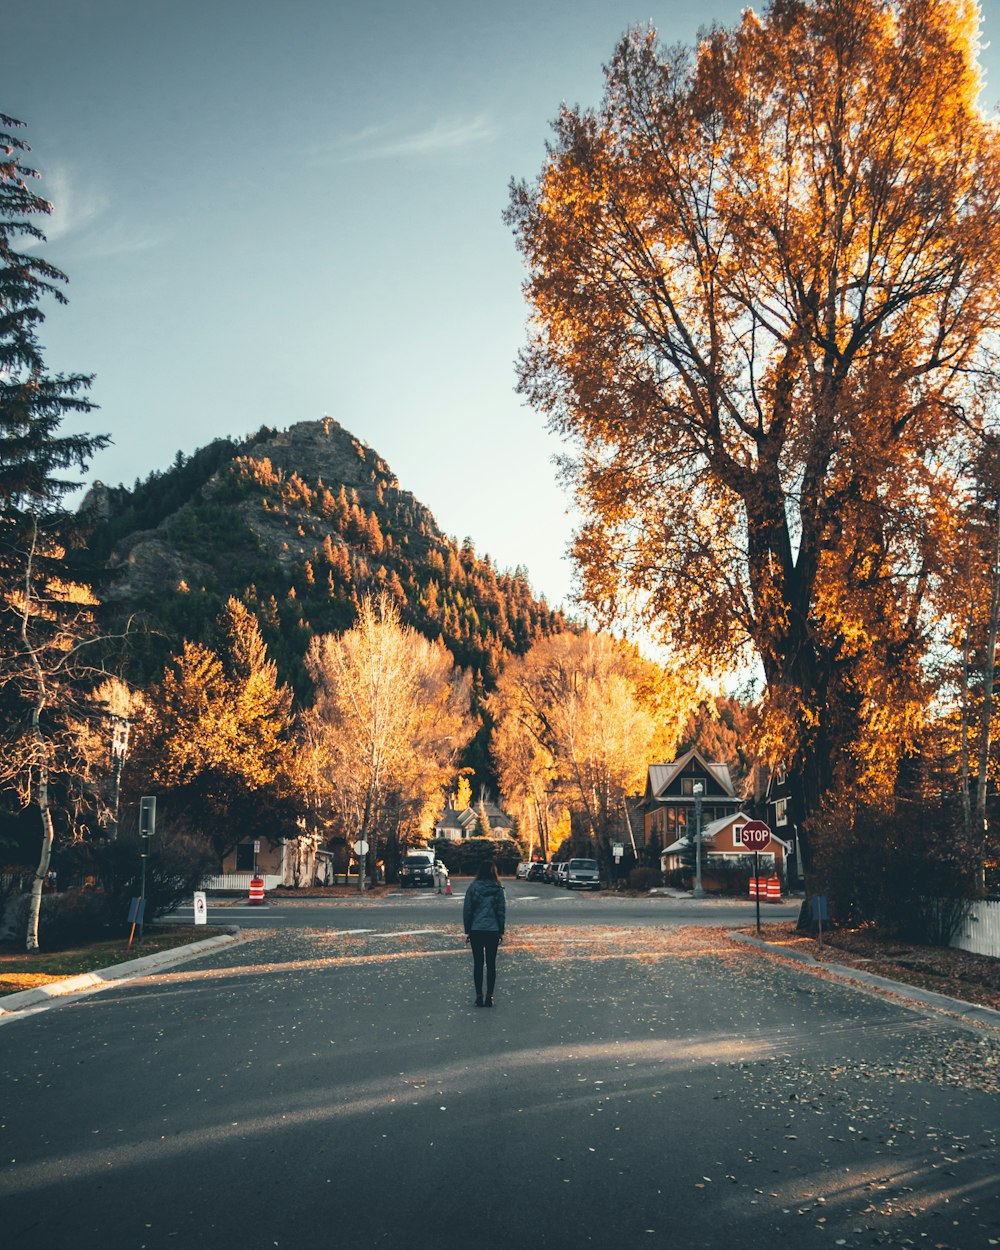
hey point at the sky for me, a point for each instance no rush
(273, 213)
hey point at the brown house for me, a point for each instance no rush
(722, 844)
(673, 792)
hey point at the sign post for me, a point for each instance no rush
(147, 827)
(756, 837)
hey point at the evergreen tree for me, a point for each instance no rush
(33, 454)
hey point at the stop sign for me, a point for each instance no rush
(756, 836)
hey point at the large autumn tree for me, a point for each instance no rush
(762, 274)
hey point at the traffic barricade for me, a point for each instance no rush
(773, 890)
(256, 889)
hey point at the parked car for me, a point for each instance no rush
(522, 869)
(550, 873)
(561, 872)
(537, 871)
(582, 874)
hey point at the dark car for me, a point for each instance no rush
(537, 872)
(417, 869)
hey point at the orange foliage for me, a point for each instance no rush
(762, 276)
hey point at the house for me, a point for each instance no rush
(722, 845)
(293, 862)
(777, 799)
(673, 792)
(457, 826)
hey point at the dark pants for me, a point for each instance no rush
(484, 944)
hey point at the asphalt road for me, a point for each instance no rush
(528, 904)
(639, 1083)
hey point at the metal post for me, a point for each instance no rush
(697, 892)
(756, 879)
(143, 855)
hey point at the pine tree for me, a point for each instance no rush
(33, 454)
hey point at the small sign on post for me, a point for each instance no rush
(200, 907)
(147, 816)
(136, 910)
(819, 912)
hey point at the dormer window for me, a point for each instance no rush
(688, 785)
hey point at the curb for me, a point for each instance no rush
(131, 970)
(971, 1012)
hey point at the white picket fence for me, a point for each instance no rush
(981, 933)
(239, 881)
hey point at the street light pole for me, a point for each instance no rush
(697, 788)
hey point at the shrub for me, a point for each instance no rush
(731, 877)
(69, 919)
(908, 872)
(177, 862)
(644, 879)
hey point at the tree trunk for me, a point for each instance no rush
(45, 858)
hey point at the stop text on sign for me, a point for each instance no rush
(755, 835)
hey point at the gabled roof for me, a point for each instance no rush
(661, 775)
(494, 814)
(452, 819)
(716, 826)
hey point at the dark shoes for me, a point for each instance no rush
(489, 1001)
(479, 1000)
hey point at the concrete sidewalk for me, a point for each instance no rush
(971, 1012)
(90, 982)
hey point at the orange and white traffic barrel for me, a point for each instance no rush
(256, 889)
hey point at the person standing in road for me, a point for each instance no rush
(485, 914)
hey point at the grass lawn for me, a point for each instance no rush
(22, 971)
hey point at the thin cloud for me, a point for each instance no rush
(81, 218)
(75, 206)
(390, 141)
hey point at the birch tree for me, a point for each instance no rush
(393, 713)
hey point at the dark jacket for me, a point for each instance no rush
(485, 907)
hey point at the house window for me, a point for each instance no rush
(688, 784)
(781, 811)
(244, 857)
